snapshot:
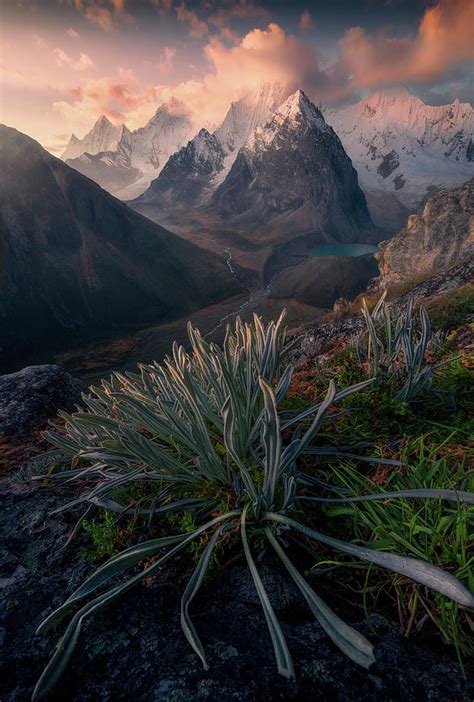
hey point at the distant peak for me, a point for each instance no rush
(391, 96)
(103, 120)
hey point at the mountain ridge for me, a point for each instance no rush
(76, 258)
(404, 149)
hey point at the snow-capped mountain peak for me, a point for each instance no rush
(296, 113)
(247, 113)
(404, 148)
(103, 136)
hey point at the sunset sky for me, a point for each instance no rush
(65, 62)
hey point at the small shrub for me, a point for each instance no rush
(395, 346)
(104, 535)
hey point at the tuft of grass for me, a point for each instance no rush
(104, 534)
(435, 532)
(453, 309)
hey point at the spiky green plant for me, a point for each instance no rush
(395, 348)
(203, 433)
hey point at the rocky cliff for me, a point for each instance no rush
(441, 236)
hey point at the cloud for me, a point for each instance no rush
(118, 97)
(71, 32)
(164, 6)
(244, 9)
(198, 27)
(103, 12)
(83, 63)
(262, 55)
(165, 63)
(443, 40)
(305, 21)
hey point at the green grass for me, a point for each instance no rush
(436, 532)
(453, 309)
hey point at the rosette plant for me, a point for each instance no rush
(395, 346)
(203, 433)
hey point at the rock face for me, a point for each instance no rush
(75, 258)
(293, 175)
(404, 149)
(35, 394)
(435, 240)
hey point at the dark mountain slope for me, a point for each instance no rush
(72, 257)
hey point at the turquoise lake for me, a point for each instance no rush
(343, 249)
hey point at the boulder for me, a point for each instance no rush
(35, 394)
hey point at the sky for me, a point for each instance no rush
(63, 63)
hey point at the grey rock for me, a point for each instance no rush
(136, 649)
(35, 394)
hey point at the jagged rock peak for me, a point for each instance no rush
(297, 112)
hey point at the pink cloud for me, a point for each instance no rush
(198, 27)
(444, 39)
(305, 21)
(165, 63)
(71, 32)
(83, 63)
(103, 12)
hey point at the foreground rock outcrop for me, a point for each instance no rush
(433, 241)
(35, 394)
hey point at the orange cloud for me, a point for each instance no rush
(116, 97)
(444, 39)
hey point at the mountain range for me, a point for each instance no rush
(124, 162)
(402, 149)
(74, 258)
